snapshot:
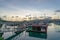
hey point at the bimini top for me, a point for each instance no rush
(39, 25)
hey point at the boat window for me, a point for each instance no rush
(34, 28)
(38, 28)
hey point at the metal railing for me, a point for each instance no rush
(11, 29)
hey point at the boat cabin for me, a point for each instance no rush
(37, 28)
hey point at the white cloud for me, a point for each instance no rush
(24, 12)
(12, 9)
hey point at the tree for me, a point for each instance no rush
(0, 18)
(4, 17)
(16, 18)
(12, 18)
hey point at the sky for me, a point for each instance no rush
(28, 7)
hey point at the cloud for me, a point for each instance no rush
(24, 12)
(57, 11)
(23, 7)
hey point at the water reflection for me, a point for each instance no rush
(57, 28)
(38, 35)
(11, 37)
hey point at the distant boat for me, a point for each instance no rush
(38, 27)
(58, 23)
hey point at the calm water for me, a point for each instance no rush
(53, 33)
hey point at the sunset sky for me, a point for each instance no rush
(26, 7)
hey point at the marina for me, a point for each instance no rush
(52, 30)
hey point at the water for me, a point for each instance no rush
(53, 33)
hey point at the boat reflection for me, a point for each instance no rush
(38, 35)
(11, 37)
